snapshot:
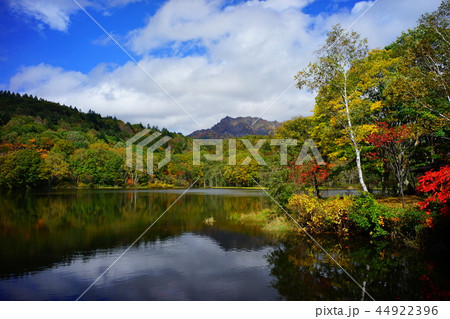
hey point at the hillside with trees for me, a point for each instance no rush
(48, 144)
(45, 144)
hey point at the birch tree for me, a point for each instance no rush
(338, 94)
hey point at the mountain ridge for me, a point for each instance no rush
(237, 127)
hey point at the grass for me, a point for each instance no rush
(279, 224)
(274, 225)
(410, 201)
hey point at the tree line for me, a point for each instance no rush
(381, 117)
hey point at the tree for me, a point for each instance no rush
(421, 87)
(309, 174)
(64, 147)
(55, 167)
(332, 76)
(241, 175)
(434, 47)
(98, 166)
(393, 144)
(21, 168)
(426, 48)
(298, 128)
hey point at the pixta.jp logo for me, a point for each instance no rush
(152, 143)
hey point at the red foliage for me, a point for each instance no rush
(309, 174)
(374, 156)
(437, 185)
(432, 291)
(389, 135)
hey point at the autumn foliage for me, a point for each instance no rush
(309, 174)
(317, 215)
(393, 145)
(387, 136)
(436, 184)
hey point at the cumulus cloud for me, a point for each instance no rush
(247, 25)
(218, 60)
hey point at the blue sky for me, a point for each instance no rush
(27, 41)
(213, 57)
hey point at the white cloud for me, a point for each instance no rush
(248, 24)
(249, 54)
(47, 78)
(385, 21)
(56, 13)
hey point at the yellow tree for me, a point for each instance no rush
(334, 77)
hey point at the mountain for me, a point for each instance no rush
(237, 127)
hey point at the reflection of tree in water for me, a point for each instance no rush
(40, 230)
(302, 271)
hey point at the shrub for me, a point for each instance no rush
(369, 215)
(280, 188)
(413, 222)
(317, 215)
(363, 213)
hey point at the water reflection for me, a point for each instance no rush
(53, 246)
(189, 267)
(303, 271)
(38, 230)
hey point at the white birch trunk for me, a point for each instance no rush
(353, 138)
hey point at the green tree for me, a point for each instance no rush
(55, 169)
(98, 166)
(420, 91)
(23, 168)
(241, 175)
(64, 147)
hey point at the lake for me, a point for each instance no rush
(55, 245)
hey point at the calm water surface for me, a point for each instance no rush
(54, 245)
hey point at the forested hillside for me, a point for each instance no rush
(45, 144)
(48, 144)
(55, 116)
